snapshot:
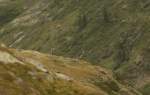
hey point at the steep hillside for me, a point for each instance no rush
(10, 9)
(32, 73)
(138, 73)
(114, 34)
(92, 30)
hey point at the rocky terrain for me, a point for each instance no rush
(111, 34)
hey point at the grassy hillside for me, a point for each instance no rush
(114, 34)
(75, 29)
(10, 9)
(33, 73)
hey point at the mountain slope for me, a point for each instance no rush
(32, 73)
(71, 29)
(10, 9)
(114, 34)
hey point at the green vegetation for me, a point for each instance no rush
(146, 89)
(10, 10)
(75, 29)
(114, 34)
